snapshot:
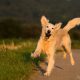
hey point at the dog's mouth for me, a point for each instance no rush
(48, 35)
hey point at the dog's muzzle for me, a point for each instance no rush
(48, 34)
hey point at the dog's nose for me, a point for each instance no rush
(48, 31)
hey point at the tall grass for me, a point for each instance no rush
(16, 64)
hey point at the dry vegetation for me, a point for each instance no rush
(15, 60)
(12, 45)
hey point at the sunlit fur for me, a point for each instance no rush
(59, 38)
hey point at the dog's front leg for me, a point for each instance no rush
(37, 51)
(51, 62)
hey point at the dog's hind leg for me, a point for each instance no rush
(64, 55)
(64, 52)
(68, 50)
(67, 47)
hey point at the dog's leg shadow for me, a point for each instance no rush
(55, 66)
(41, 68)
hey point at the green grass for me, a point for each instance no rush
(17, 64)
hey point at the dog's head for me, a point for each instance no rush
(49, 28)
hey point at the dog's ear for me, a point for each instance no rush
(58, 26)
(44, 21)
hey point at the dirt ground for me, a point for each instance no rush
(63, 69)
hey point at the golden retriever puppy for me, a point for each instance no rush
(53, 37)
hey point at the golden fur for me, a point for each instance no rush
(59, 37)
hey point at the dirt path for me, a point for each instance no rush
(68, 72)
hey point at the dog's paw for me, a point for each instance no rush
(46, 74)
(72, 62)
(34, 55)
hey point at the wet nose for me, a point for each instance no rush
(48, 31)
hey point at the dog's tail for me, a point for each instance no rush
(72, 23)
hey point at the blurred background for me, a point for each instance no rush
(21, 18)
(20, 28)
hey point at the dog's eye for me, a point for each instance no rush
(47, 26)
(52, 28)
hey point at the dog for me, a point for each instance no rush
(53, 37)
